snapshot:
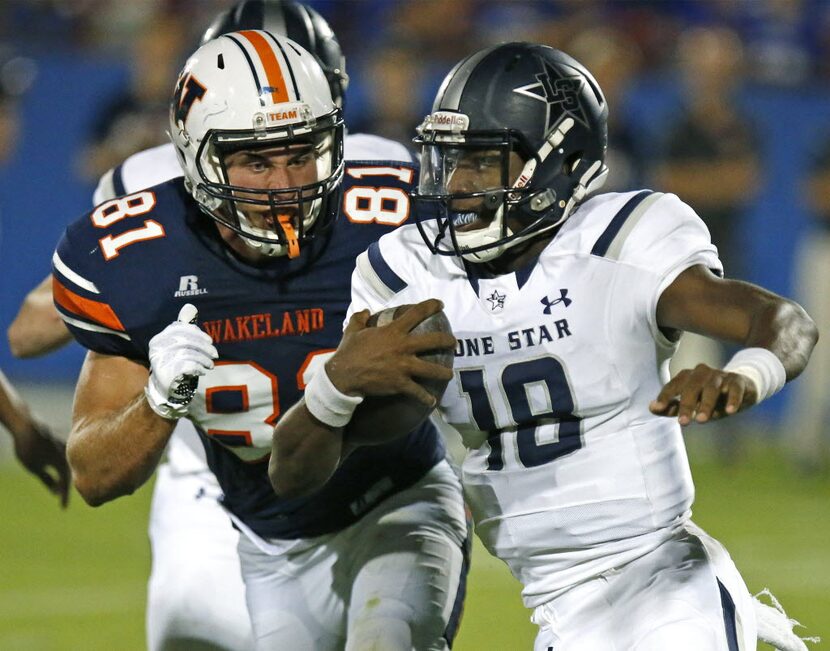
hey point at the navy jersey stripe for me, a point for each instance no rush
(728, 617)
(118, 181)
(607, 237)
(251, 65)
(389, 278)
(461, 593)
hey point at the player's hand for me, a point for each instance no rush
(42, 454)
(704, 393)
(383, 361)
(179, 354)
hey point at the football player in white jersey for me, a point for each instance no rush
(188, 529)
(567, 306)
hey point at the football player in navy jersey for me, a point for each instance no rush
(235, 275)
(188, 529)
(567, 306)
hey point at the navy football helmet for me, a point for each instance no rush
(516, 139)
(297, 21)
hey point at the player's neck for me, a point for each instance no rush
(240, 248)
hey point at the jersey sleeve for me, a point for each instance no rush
(662, 237)
(379, 276)
(83, 304)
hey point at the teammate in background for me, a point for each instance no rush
(256, 231)
(189, 530)
(34, 445)
(566, 311)
(809, 411)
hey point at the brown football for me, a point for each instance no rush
(369, 424)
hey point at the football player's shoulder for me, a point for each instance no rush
(398, 259)
(148, 224)
(592, 220)
(653, 231)
(369, 147)
(376, 198)
(141, 170)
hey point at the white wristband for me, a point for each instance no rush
(327, 403)
(762, 367)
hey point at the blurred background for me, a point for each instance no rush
(725, 102)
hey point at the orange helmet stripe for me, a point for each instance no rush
(90, 310)
(273, 71)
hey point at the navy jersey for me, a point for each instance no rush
(123, 272)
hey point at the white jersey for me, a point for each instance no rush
(159, 164)
(567, 473)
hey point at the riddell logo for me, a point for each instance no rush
(189, 286)
(446, 121)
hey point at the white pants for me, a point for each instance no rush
(195, 598)
(389, 582)
(686, 595)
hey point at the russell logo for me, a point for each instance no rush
(189, 286)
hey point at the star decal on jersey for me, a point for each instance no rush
(496, 300)
(563, 298)
(552, 89)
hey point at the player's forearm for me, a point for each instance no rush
(114, 453)
(14, 414)
(784, 328)
(37, 329)
(30, 336)
(304, 453)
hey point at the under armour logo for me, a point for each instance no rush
(496, 300)
(563, 298)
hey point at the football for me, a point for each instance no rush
(368, 425)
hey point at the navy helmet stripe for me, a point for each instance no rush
(445, 101)
(384, 272)
(118, 181)
(604, 242)
(729, 617)
(251, 66)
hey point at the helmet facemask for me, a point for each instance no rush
(486, 189)
(274, 221)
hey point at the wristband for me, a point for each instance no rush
(327, 403)
(762, 367)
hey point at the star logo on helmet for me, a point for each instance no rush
(555, 90)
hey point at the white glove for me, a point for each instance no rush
(179, 354)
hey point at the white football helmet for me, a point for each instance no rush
(253, 89)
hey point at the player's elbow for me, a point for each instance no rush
(20, 343)
(96, 487)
